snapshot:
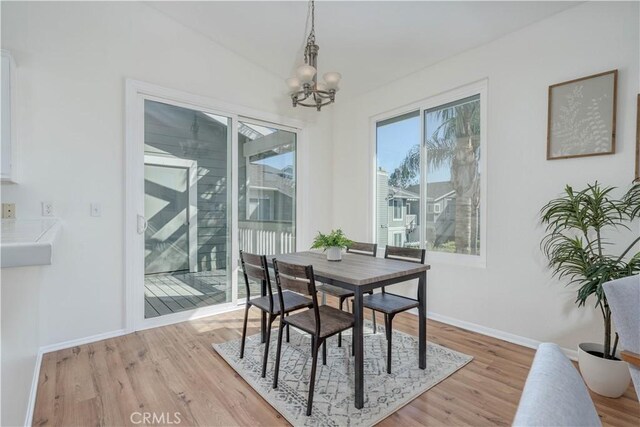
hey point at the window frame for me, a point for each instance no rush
(476, 88)
(396, 218)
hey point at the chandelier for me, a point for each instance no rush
(304, 88)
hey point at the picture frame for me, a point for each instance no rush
(582, 117)
(637, 174)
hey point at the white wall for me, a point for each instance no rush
(514, 293)
(72, 61)
(20, 341)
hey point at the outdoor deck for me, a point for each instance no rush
(167, 293)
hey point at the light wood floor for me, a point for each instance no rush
(174, 369)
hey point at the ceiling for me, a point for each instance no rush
(370, 43)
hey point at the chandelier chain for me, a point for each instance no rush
(311, 39)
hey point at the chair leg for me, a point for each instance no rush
(353, 347)
(265, 357)
(244, 329)
(278, 351)
(375, 327)
(324, 352)
(312, 380)
(287, 314)
(388, 319)
(340, 333)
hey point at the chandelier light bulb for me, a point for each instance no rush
(293, 83)
(305, 73)
(333, 79)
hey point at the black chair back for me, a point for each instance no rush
(360, 248)
(299, 279)
(255, 267)
(405, 254)
(416, 255)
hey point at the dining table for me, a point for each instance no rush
(361, 274)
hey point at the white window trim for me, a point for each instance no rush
(436, 208)
(479, 87)
(135, 94)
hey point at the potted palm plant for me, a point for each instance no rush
(332, 243)
(576, 247)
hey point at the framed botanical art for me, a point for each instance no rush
(637, 175)
(582, 117)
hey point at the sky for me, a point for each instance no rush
(396, 139)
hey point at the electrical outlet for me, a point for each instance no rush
(47, 208)
(8, 210)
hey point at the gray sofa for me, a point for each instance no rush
(554, 394)
(623, 296)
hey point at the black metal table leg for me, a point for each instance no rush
(359, 348)
(422, 321)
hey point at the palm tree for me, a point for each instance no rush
(454, 143)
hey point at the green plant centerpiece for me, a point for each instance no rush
(332, 244)
(576, 246)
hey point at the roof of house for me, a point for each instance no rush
(435, 190)
(401, 193)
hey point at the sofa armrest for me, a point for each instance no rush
(554, 394)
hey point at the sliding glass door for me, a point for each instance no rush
(202, 184)
(266, 192)
(187, 205)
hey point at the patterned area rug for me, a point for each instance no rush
(333, 403)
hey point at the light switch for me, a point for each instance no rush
(96, 209)
(8, 210)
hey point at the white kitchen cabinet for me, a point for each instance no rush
(7, 125)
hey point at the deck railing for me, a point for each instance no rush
(266, 237)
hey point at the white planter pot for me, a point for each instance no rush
(606, 377)
(334, 253)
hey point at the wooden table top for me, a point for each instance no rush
(354, 269)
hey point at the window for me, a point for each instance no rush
(397, 239)
(260, 209)
(397, 209)
(452, 142)
(438, 174)
(397, 139)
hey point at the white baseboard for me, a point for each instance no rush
(55, 347)
(80, 341)
(31, 403)
(495, 333)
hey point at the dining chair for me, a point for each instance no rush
(255, 266)
(320, 321)
(391, 304)
(359, 248)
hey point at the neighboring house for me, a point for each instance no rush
(398, 212)
(270, 194)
